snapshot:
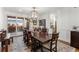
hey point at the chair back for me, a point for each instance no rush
(28, 38)
(54, 42)
(2, 34)
(25, 35)
(29, 34)
(55, 36)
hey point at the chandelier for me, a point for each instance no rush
(34, 13)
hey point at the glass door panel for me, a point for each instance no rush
(11, 25)
(19, 24)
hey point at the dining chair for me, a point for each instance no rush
(2, 36)
(5, 45)
(35, 44)
(24, 35)
(51, 45)
(4, 42)
(28, 38)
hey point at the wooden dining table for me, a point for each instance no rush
(41, 39)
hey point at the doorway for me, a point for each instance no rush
(15, 25)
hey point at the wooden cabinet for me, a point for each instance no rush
(75, 39)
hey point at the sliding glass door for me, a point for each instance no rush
(19, 23)
(15, 24)
(11, 24)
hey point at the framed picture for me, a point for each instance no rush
(42, 22)
(34, 22)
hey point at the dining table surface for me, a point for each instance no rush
(42, 38)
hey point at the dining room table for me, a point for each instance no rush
(41, 39)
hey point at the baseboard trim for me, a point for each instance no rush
(67, 43)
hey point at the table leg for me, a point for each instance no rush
(41, 47)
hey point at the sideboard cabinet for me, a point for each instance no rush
(75, 39)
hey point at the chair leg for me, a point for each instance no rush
(50, 50)
(56, 47)
(33, 48)
(41, 49)
(2, 46)
(12, 39)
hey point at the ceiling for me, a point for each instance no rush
(28, 10)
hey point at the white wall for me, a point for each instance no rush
(66, 18)
(74, 17)
(63, 24)
(2, 19)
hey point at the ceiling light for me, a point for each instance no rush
(34, 13)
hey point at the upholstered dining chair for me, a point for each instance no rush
(3, 34)
(29, 38)
(25, 35)
(35, 45)
(52, 44)
(4, 42)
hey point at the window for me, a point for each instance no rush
(19, 22)
(11, 24)
(15, 24)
